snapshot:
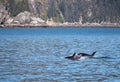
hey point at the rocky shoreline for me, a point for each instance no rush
(57, 25)
(27, 20)
(59, 13)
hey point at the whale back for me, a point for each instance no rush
(71, 57)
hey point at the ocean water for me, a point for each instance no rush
(38, 54)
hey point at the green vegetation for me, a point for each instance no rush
(17, 7)
(2, 1)
(54, 12)
(70, 10)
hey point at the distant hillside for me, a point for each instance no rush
(68, 10)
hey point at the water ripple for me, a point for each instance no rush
(41, 59)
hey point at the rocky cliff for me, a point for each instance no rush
(83, 11)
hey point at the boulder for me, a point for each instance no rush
(37, 20)
(3, 14)
(22, 18)
(27, 18)
(9, 20)
(33, 22)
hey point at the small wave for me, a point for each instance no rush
(104, 57)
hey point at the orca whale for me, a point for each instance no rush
(73, 57)
(87, 55)
(80, 55)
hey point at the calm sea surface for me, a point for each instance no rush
(37, 54)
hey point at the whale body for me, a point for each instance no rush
(80, 56)
(87, 55)
(73, 57)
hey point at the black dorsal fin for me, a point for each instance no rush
(74, 54)
(93, 53)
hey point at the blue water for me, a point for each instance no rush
(37, 54)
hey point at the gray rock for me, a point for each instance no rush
(9, 20)
(3, 14)
(27, 18)
(22, 18)
(36, 20)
